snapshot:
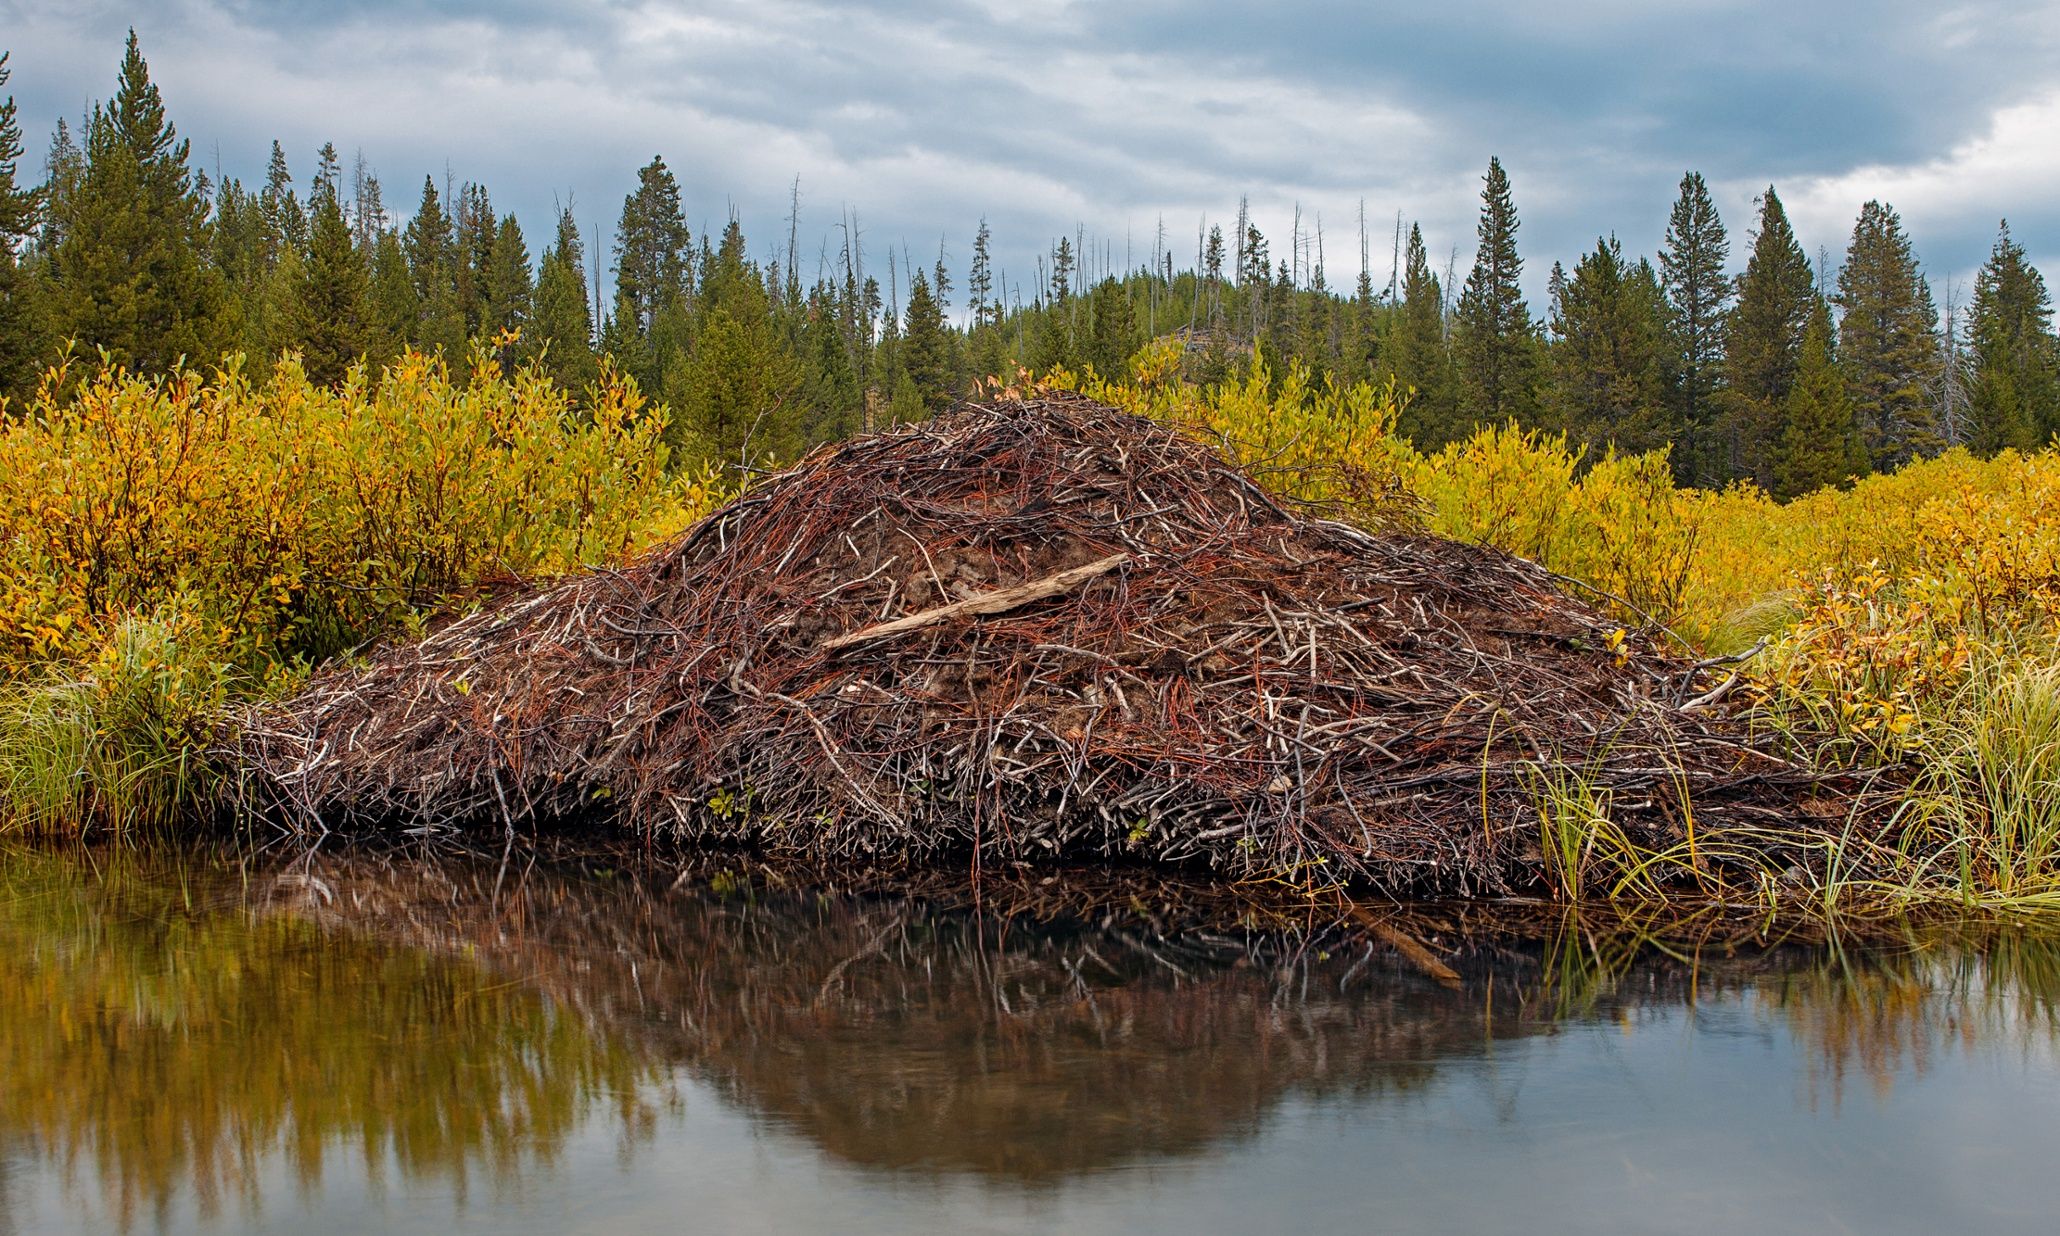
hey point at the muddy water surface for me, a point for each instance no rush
(344, 1044)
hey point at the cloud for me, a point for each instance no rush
(2013, 167)
(1049, 115)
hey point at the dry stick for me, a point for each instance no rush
(986, 603)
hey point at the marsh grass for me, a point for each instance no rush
(1986, 818)
(119, 746)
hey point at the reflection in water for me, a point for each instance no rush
(190, 1029)
(155, 1036)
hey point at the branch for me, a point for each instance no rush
(985, 603)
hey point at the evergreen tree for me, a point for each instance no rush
(473, 232)
(395, 311)
(64, 171)
(1494, 340)
(1776, 297)
(286, 223)
(509, 291)
(1819, 442)
(1888, 341)
(980, 279)
(2016, 397)
(368, 207)
(1062, 272)
(1607, 354)
(432, 270)
(21, 345)
(564, 325)
(736, 391)
(1112, 335)
(1417, 356)
(241, 250)
(129, 275)
(1253, 270)
(926, 347)
(1212, 273)
(834, 401)
(1698, 303)
(653, 271)
(984, 336)
(330, 314)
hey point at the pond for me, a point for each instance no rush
(415, 1044)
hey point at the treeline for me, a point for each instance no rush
(1787, 375)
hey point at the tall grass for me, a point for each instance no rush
(119, 743)
(1990, 801)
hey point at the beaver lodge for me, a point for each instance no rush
(1038, 631)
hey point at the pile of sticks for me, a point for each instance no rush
(1033, 631)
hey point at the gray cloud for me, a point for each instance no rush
(1047, 115)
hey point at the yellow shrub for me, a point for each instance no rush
(1328, 443)
(1619, 526)
(298, 519)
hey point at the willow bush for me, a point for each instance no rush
(166, 542)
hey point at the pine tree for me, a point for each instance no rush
(1776, 296)
(985, 341)
(1112, 334)
(128, 275)
(1418, 358)
(1698, 296)
(1494, 340)
(1888, 341)
(368, 207)
(926, 348)
(286, 222)
(241, 251)
(1212, 272)
(736, 389)
(432, 269)
(21, 345)
(834, 401)
(1062, 272)
(330, 315)
(2016, 397)
(473, 232)
(653, 270)
(1607, 353)
(509, 292)
(64, 171)
(395, 310)
(1819, 442)
(564, 325)
(980, 279)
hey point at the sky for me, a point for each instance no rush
(1050, 117)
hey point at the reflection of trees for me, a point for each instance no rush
(1886, 1013)
(152, 1031)
(1873, 1010)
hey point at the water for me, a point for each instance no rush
(350, 1044)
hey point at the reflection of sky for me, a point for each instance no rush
(1044, 115)
(1671, 1122)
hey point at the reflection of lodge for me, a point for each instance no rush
(457, 1019)
(897, 1036)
